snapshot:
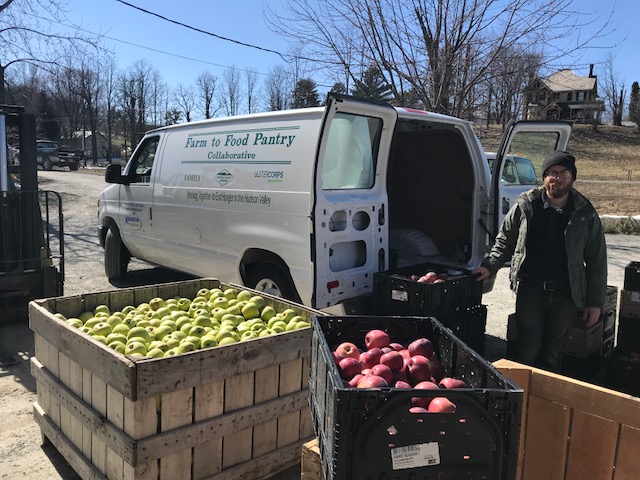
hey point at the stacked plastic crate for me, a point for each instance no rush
(623, 365)
(454, 299)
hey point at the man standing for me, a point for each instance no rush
(554, 238)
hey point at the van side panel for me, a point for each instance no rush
(226, 187)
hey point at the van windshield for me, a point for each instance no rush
(351, 152)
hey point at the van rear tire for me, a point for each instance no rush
(271, 279)
(116, 255)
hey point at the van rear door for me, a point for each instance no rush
(349, 215)
(518, 163)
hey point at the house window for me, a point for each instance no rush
(580, 96)
(569, 96)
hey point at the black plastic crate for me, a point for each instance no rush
(395, 293)
(632, 277)
(623, 371)
(370, 433)
(628, 333)
(469, 325)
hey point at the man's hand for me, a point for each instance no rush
(481, 273)
(591, 315)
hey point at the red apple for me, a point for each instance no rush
(372, 381)
(376, 339)
(423, 401)
(349, 367)
(437, 369)
(348, 349)
(393, 360)
(405, 353)
(367, 371)
(398, 347)
(449, 383)
(418, 410)
(402, 384)
(336, 357)
(383, 371)
(421, 346)
(400, 376)
(418, 369)
(441, 405)
(371, 357)
(438, 280)
(387, 349)
(353, 383)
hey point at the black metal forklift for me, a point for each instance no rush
(31, 222)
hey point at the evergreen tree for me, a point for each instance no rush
(305, 94)
(634, 104)
(372, 85)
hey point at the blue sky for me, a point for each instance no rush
(180, 54)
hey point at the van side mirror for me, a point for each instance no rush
(114, 175)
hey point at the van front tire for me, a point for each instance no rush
(273, 280)
(116, 256)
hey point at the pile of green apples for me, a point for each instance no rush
(162, 328)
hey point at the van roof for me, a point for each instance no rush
(403, 112)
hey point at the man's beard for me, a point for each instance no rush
(555, 190)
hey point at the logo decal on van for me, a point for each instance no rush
(271, 175)
(133, 222)
(223, 177)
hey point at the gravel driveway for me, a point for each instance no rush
(21, 454)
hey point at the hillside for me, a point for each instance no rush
(606, 160)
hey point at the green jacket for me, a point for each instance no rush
(584, 240)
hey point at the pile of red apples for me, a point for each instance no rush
(390, 364)
(430, 277)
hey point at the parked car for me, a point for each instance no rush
(50, 155)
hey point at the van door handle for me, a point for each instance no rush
(505, 205)
(151, 213)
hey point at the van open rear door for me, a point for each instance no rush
(518, 162)
(350, 224)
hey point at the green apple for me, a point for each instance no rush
(230, 293)
(235, 309)
(258, 326)
(276, 321)
(302, 324)
(114, 320)
(221, 302)
(161, 312)
(84, 316)
(206, 312)
(156, 303)
(100, 338)
(243, 327)
(297, 318)
(162, 331)
(250, 310)
(208, 341)
(60, 316)
(102, 309)
(248, 335)
(161, 344)
(92, 322)
(186, 327)
(223, 333)
(268, 312)
(121, 328)
(84, 329)
(193, 339)
(184, 304)
(176, 314)
(144, 306)
(278, 328)
(116, 337)
(130, 321)
(140, 332)
(128, 308)
(117, 346)
(202, 321)
(227, 341)
(143, 323)
(291, 325)
(259, 301)
(185, 347)
(287, 314)
(219, 313)
(135, 348)
(204, 292)
(244, 295)
(171, 341)
(196, 331)
(155, 322)
(179, 334)
(171, 352)
(182, 320)
(74, 322)
(155, 353)
(266, 332)
(216, 292)
(200, 299)
(233, 302)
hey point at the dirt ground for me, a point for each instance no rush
(22, 455)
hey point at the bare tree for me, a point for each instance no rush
(186, 100)
(279, 88)
(613, 91)
(229, 93)
(206, 85)
(26, 36)
(435, 49)
(251, 76)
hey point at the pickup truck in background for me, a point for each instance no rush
(50, 155)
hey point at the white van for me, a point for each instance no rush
(308, 204)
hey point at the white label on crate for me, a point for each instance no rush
(399, 295)
(414, 456)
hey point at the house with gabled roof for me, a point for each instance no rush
(563, 96)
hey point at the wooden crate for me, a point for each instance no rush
(574, 430)
(237, 411)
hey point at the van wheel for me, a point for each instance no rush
(116, 255)
(47, 165)
(73, 167)
(272, 280)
